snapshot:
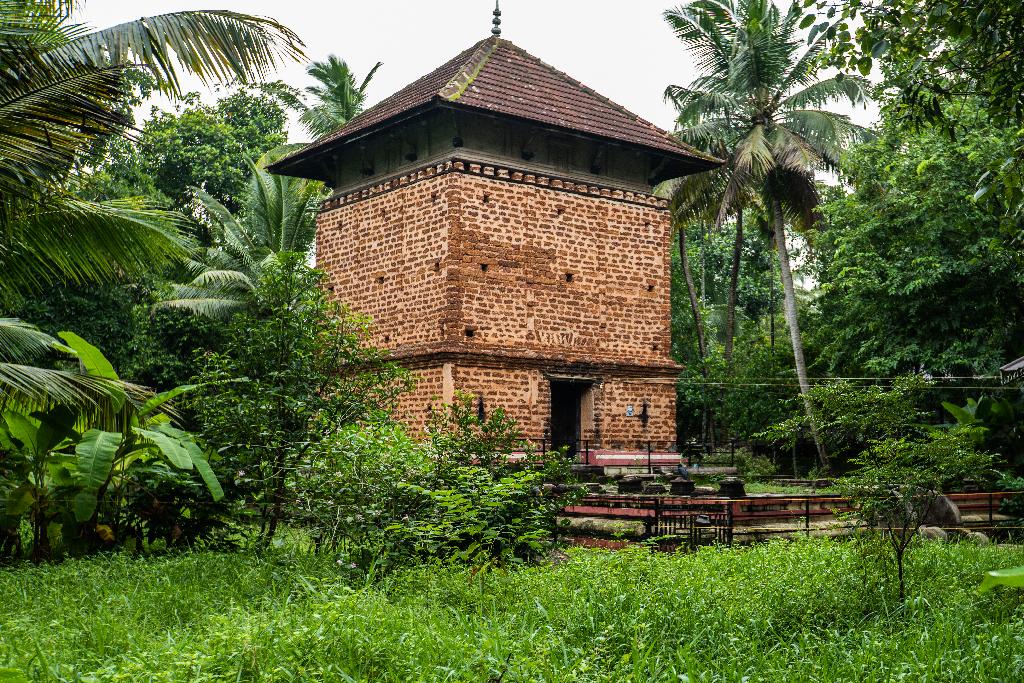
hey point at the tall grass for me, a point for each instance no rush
(802, 611)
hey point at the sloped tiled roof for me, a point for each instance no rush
(497, 76)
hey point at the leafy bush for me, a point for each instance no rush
(900, 464)
(70, 473)
(998, 423)
(382, 498)
(294, 372)
(354, 485)
(899, 480)
(753, 467)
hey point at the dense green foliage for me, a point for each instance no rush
(756, 388)
(914, 275)
(75, 477)
(210, 147)
(382, 499)
(933, 54)
(780, 611)
(153, 347)
(294, 371)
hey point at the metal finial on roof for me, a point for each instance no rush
(496, 31)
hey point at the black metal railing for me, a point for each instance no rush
(680, 522)
(583, 451)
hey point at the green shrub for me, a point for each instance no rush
(753, 467)
(382, 499)
(295, 370)
(75, 476)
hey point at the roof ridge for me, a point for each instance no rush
(590, 91)
(369, 111)
(470, 70)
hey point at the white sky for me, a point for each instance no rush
(623, 50)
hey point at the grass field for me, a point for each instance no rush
(800, 611)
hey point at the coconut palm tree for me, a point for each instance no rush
(63, 88)
(760, 104)
(278, 216)
(337, 97)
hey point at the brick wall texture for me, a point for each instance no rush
(507, 282)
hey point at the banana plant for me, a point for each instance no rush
(998, 423)
(1011, 578)
(62, 455)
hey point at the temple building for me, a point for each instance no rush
(496, 220)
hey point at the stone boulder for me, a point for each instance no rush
(977, 538)
(655, 488)
(943, 513)
(933, 533)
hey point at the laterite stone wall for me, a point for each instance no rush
(531, 273)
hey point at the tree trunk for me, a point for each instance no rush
(277, 500)
(698, 322)
(789, 299)
(734, 278)
(899, 572)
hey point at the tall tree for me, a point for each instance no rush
(211, 147)
(61, 91)
(914, 275)
(760, 98)
(934, 53)
(336, 98)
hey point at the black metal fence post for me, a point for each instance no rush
(728, 531)
(650, 469)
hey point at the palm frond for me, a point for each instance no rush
(279, 216)
(713, 136)
(693, 104)
(223, 280)
(337, 96)
(793, 152)
(21, 342)
(33, 388)
(319, 121)
(695, 197)
(797, 192)
(70, 239)
(705, 27)
(49, 114)
(206, 304)
(753, 154)
(854, 89)
(828, 133)
(215, 46)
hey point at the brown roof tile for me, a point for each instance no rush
(497, 76)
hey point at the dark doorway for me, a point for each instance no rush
(566, 400)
